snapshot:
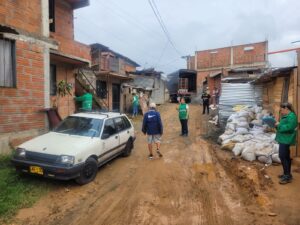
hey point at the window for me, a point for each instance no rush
(101, 89)
(126, 122)
(81, 126)
(248, 48)
(53, 87)
(109, 127)
(120, 125)
(52, 15)
(7, 63)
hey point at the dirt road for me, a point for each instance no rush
(189, 185)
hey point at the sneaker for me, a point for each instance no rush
(150, 156)
(282, 175)
(285, 180)
(158, 153)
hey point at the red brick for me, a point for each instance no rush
(23, 61)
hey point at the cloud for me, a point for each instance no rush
(130, 27)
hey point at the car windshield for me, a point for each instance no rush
(81, 126)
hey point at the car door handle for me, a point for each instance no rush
(128, 132)
(116, 137)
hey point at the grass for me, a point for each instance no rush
(17, 191)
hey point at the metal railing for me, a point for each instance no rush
(82, 77)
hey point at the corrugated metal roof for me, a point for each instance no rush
(237, 94)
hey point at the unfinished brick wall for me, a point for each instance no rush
(22, 14)
(20, 106)
(201, 76)
(221, 57)
(64, 32)
(213, 58)
(258, 54)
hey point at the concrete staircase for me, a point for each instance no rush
(83, 77)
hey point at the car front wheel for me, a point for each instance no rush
(88, 172)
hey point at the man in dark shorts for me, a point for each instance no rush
(152, 126)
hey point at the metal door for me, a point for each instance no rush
(116, 97)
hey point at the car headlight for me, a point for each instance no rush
(20, 152)
(67, 159)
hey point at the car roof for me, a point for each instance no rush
(98, 115)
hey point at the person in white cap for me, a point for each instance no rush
(152, 126)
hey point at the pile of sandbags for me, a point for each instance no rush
(246, 136)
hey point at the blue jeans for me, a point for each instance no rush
(135, 109)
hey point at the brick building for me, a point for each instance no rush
(109, 71)
(37, 42)
(213, 64)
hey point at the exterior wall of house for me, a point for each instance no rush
(236, 55)
(19, 14)
(21, 105)
(223, 59)
(201, 76)
(21, 118)
(272, 94)
(64, 32)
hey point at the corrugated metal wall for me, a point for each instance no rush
(237, 94)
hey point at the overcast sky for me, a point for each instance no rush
(130, 28)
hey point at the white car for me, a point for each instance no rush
(77, 147)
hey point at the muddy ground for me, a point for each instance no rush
(194, 183)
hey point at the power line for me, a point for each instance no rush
(117, 38)
(125, 16)
(162, 24)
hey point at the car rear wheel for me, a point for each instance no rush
(128, 148)
(88, 172)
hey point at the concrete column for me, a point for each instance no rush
(46, 56)
(45, 17)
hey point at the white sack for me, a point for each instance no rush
(275, 158)
(241, 130)
(230, 126)
(265, 159)
(238, 148)
(275, 148)
(248, 154)
(243, 124)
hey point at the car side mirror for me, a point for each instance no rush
(105, 136)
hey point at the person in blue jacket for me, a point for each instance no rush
(152, 126)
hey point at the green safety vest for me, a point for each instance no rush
(87, 101)
(135, 100)
(183, 111)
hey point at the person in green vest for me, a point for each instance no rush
(286, 136)
(183, 113)
(135, 105)
(87, 101)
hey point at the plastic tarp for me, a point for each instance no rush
(233, 94)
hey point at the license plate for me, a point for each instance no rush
(36, 170)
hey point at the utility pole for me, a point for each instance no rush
(188, 61)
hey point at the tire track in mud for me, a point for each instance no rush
(186, 187)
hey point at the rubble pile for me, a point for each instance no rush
(247, 136)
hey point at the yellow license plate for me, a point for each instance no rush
(36, 169)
